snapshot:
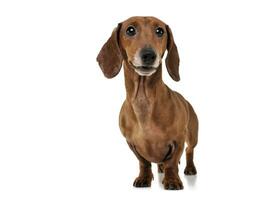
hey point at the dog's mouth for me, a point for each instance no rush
(144, 70)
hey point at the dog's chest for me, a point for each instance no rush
(151, 143)
(148, 123)
(143, 109)
(148, 135)
(142, 105)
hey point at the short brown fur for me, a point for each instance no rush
(155, 120)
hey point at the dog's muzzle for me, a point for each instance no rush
(146, 62)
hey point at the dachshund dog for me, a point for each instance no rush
(155, 120)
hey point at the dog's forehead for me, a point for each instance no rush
(143, 21)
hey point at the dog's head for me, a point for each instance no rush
(141, 42)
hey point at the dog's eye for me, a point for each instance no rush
(131, 31)
(159, 31)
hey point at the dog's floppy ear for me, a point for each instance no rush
(172, 59)
(110, 57)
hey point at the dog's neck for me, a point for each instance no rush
(144, 92)
(142, 87)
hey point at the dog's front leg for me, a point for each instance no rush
(145, 175)
(171, 179)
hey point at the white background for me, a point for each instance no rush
(59, 133)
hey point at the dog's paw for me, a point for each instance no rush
(172, 183)
(190, 170)
(142, 181)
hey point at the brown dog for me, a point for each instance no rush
(155, 120)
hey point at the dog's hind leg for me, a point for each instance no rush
(190, 167)
(191, 140)
(145, 175)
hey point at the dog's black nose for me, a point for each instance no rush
(148, 56)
